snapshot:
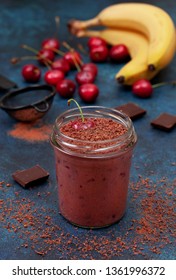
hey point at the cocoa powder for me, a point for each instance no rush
(31, 132)
(100, 129)
(93, 135)
(146, 230)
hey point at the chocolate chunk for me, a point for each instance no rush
(132, 110)
(6, 84)
(164, 122)
(31, 176)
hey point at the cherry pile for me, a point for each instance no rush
(60, 63)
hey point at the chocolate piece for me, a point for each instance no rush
(164, 122)
(6, 84)
(31, 176)
(132, 110)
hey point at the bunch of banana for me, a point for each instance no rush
(147, 31)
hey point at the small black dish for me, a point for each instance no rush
(29, 103)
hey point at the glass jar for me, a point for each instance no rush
(93, 179)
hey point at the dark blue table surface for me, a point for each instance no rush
(37, 231)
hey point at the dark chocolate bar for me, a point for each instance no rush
(164, 122)
(132, 110)
(6, 84)
(31, 176)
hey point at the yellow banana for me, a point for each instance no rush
(151, 20)
(137, 45)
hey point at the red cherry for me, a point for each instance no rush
(82, 125)
(31, 73)
(45, 56)
(73, 58)
(52, 77)
(88, 92)
(61, 64)
(90, 67)
(96, 42)
(66, 88)
(119, 53)
(51, 44)
(142, 88)
(99, 54)
(85, 77)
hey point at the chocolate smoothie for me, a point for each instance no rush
(93, 159)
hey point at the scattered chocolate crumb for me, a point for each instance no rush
(132, 110)
(143, 233)
(164, 122)
(40, 253)
(102, 129)
(97, 133)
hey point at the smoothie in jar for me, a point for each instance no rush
(93, 159)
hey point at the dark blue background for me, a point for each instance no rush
(29, 22)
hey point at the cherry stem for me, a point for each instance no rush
(80, 110)
(58, 51)
(29, 49)
(46, 61)
(75, 61)
(57, 21)
(67, 46)
(81, 48)
(164, 83)
(15, 60)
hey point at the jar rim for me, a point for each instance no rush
(95, 111)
